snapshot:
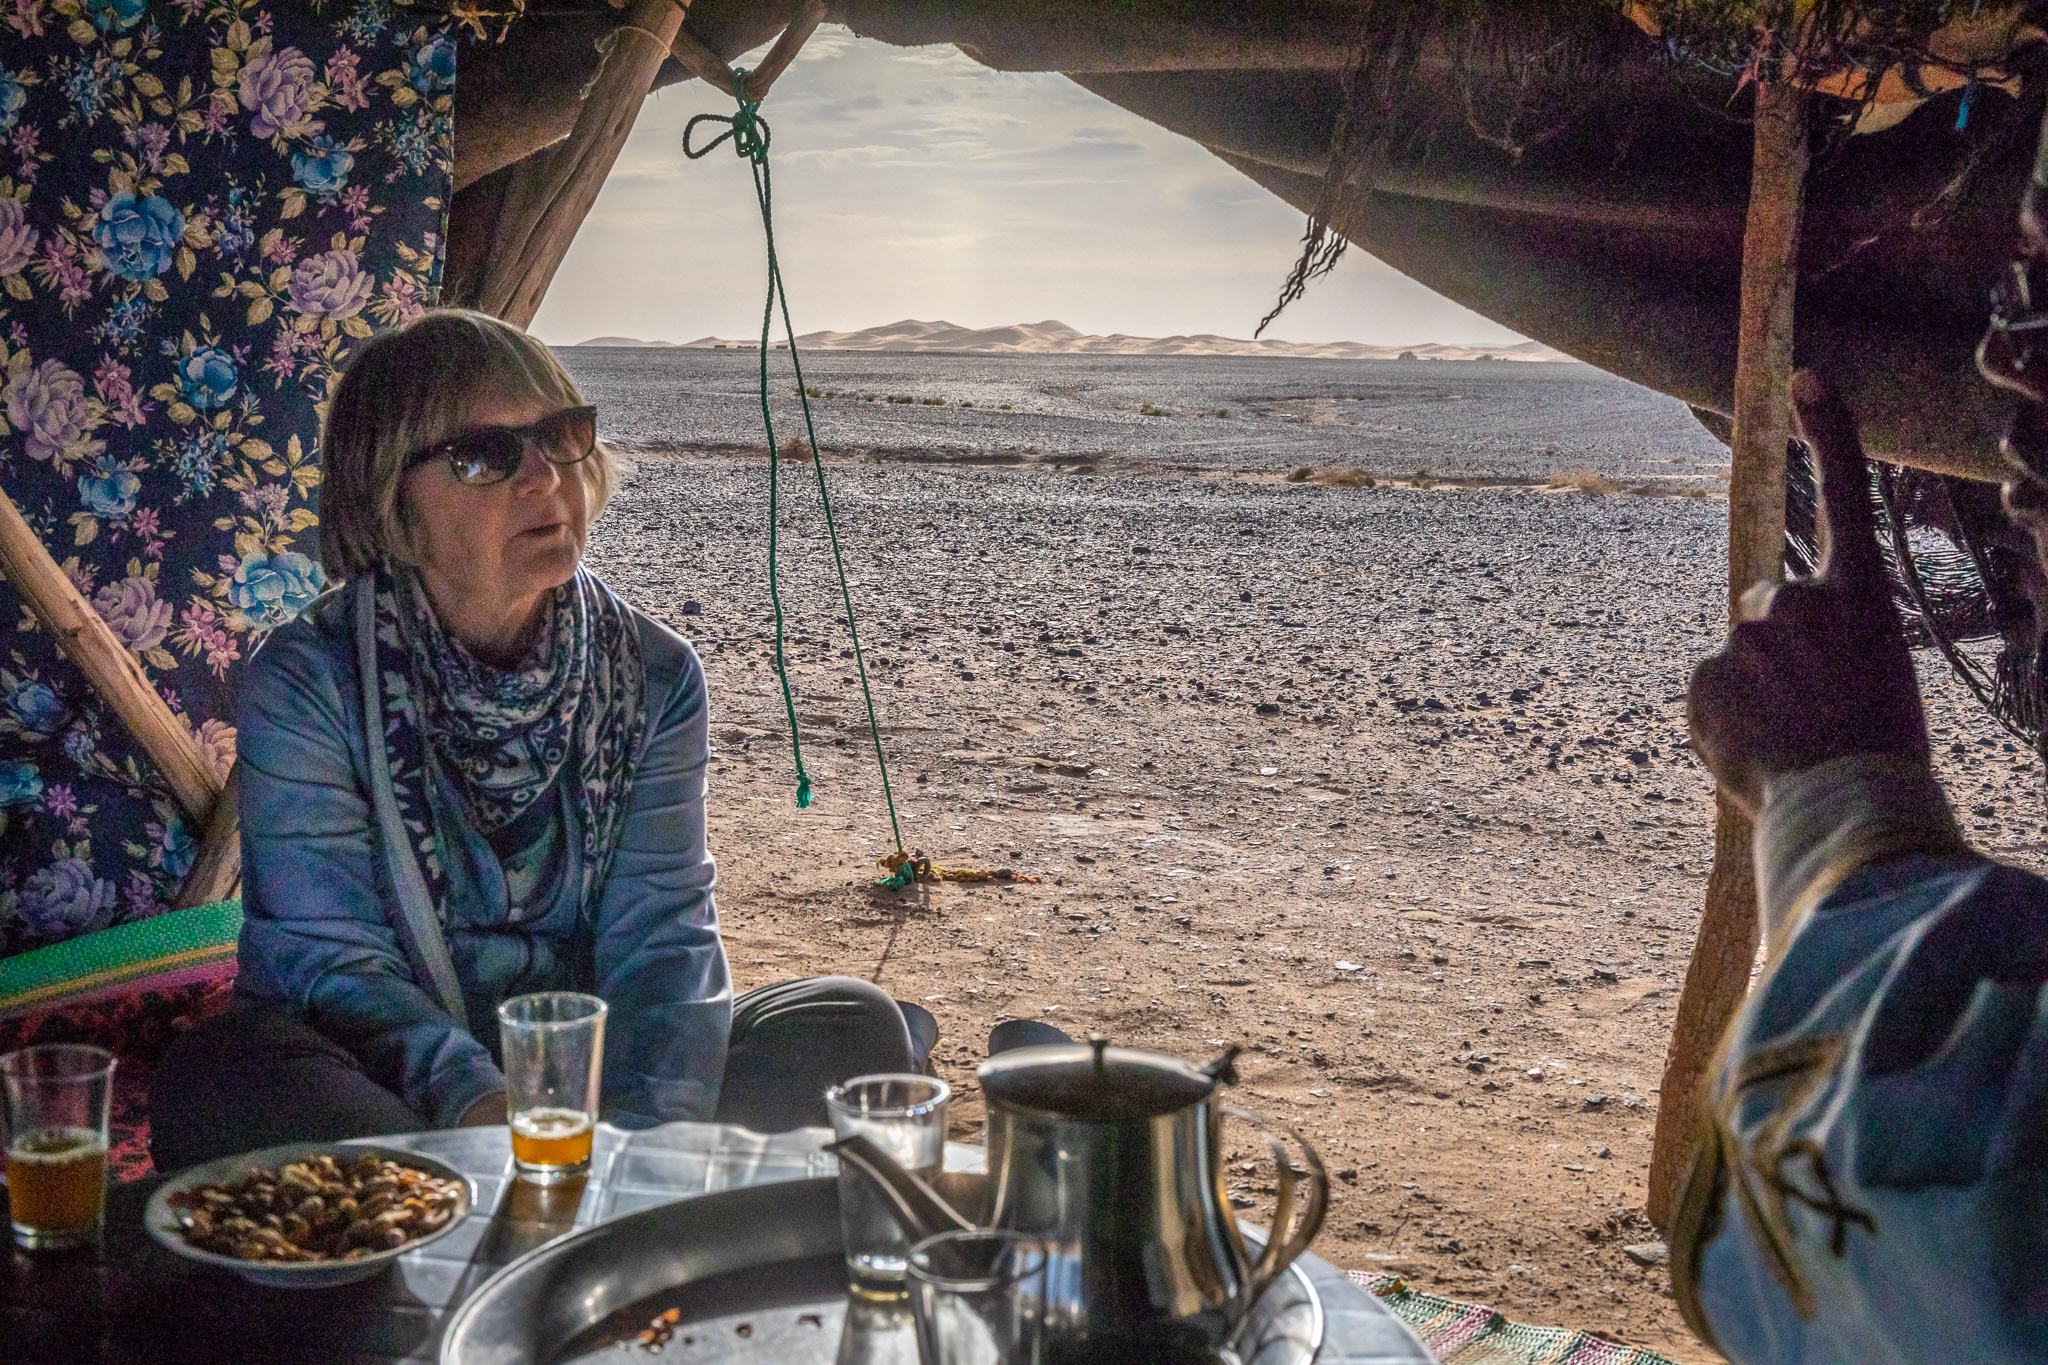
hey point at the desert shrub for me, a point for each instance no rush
(1148, 410)
(1003, 406)
(1350, 478)
(935, 402)
(1223, 412)
(1696, 492)
(1422, 479)
(795, 449)
(1589, 481)
(1301, 475)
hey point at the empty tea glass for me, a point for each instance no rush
(978, 1298)
(905, 1116)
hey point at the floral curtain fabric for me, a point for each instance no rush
(204, 206)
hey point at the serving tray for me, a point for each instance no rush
(753, 1274)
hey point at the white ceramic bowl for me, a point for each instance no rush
(162, 1220)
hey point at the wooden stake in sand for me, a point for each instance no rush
(1718, 978)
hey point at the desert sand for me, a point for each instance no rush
(1056, 338)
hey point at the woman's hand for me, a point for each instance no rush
(488, 1111)
(1820, 669)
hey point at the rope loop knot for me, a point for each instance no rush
(744, 127)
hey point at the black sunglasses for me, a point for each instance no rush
(486, 455)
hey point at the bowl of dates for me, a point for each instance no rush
(309, 1214)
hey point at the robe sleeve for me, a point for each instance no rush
(1874, 1187)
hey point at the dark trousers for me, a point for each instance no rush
(254, 1078)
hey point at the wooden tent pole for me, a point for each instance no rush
(1718, 978)
(709, 67)
(106, 663)
(700, 61)
(549, 193)
(217, 872)
(510, 231)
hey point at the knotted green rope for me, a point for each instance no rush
(749, 134)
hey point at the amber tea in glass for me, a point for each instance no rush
(56, 1107)
(553, 1046)
(552, 1138)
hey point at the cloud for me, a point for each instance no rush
(915, 182)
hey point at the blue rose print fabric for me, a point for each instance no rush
(204, 205)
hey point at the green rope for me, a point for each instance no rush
(749, 134)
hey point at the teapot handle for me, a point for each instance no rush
(1290, 1235)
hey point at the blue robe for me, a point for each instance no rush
(1874, 1185)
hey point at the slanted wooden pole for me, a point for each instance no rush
(510, 230)
(107, 664)
(547, 194)
(1718, 978)
(700, 61)
(707, 66)
(217, 872)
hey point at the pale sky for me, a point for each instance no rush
(916, 183)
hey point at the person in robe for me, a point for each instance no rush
(470, 772)
(1872, 1182)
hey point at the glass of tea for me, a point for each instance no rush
(553, 1046)
(56, 1105)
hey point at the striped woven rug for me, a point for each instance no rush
(129, 989)
(1473, 1334)
(165, 952)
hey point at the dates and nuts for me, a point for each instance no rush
(318, 1209)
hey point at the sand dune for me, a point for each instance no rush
(1052, 337)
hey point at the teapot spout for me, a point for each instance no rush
(917, 1206)
(1224, 1068)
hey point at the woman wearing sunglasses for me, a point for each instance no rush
(472, 772)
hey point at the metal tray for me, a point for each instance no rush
(758, 1275)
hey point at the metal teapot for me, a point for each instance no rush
(1113, 1157)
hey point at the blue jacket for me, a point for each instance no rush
(318, 940)
(1874, 1189)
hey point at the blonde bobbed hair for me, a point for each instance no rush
(408, 388)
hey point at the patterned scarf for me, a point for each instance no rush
(504, 737)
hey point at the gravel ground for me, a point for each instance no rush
(1385, 782)
(1390, 784)
(1496, 420)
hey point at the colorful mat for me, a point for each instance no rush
(130, 989)
(167, 951)
(1474, 1334)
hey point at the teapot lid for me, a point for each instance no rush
(1093, 1082)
